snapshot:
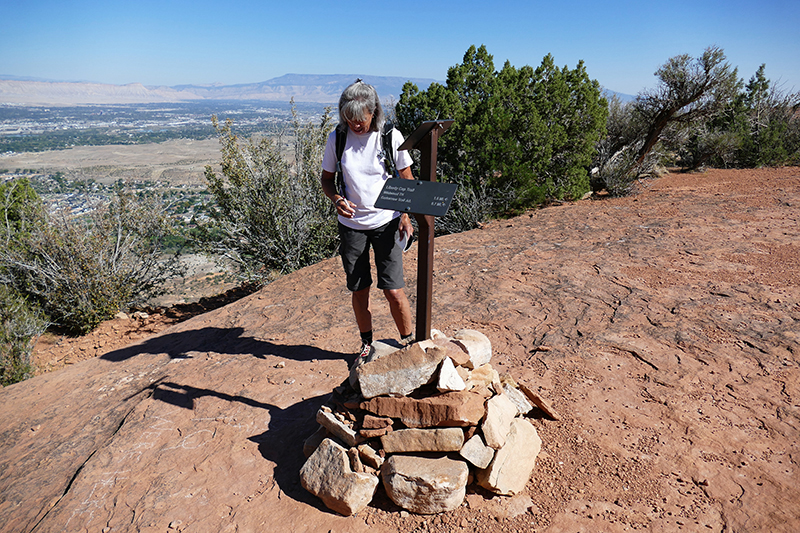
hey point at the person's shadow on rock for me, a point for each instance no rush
(282, 443)
(219, 340)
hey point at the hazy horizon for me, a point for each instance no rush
(208, 43)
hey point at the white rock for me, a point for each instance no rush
(327, 475)
(476, 344)
(449, 379)
(513, 463)
(476, 452)
(436, 334)
(518, 398)
(423, 485)
(500, 412)
(484, 376)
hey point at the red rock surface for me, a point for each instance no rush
(663, 328)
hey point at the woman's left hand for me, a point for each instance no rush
(405, 226)
(405, 221)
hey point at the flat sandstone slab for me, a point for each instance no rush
(401, 372)
(451, 409)
(423, 440)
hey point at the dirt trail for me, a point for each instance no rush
(663, 327)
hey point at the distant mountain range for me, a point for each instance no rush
(306, 88)
(324, 89)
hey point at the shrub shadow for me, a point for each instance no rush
(219, 340)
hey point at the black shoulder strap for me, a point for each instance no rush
(388, 149)
(341, 140)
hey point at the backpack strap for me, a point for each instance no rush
(341, 140)
(388, 149)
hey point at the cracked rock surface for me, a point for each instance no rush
(663, 328)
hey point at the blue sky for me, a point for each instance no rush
(242, 41)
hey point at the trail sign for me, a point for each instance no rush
(425, 138)
(417, 197)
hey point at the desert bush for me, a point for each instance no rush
(689, 91)
(81, 270)
(20, 325)
(471, 206)
(758, 127)
(674, 118)
(269, 214)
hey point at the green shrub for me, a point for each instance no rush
(81, 270)
(528, 131)
(270, 215)
(20, 325)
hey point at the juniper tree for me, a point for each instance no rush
(528, 133)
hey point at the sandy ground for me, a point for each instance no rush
(663, 327)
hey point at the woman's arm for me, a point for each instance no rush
(405, 221)
(343, 206)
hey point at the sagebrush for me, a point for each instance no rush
(269, 215)
(81, 270)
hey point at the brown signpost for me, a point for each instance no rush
(426, 138)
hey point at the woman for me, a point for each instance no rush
(361, 224)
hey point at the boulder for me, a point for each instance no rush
(401, 372)
(500, 412)
(423, 485)
(327, 474)
(423, 440)
(476, 344)
(451, 409)
(449, 379)
(512, 465)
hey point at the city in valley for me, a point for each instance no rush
(75, 156)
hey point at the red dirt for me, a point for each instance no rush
(662, 327)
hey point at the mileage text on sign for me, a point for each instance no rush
(418, 197)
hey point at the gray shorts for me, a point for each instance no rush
(354, 249)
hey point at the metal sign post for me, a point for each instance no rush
(426, 138)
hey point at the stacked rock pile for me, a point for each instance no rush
(429, 419)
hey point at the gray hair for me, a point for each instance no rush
(357, 100)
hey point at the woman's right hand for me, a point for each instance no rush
(344, 207)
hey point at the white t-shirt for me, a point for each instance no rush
(364, 175)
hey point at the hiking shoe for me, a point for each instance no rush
(366, 353)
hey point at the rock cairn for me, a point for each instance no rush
(425, 420)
